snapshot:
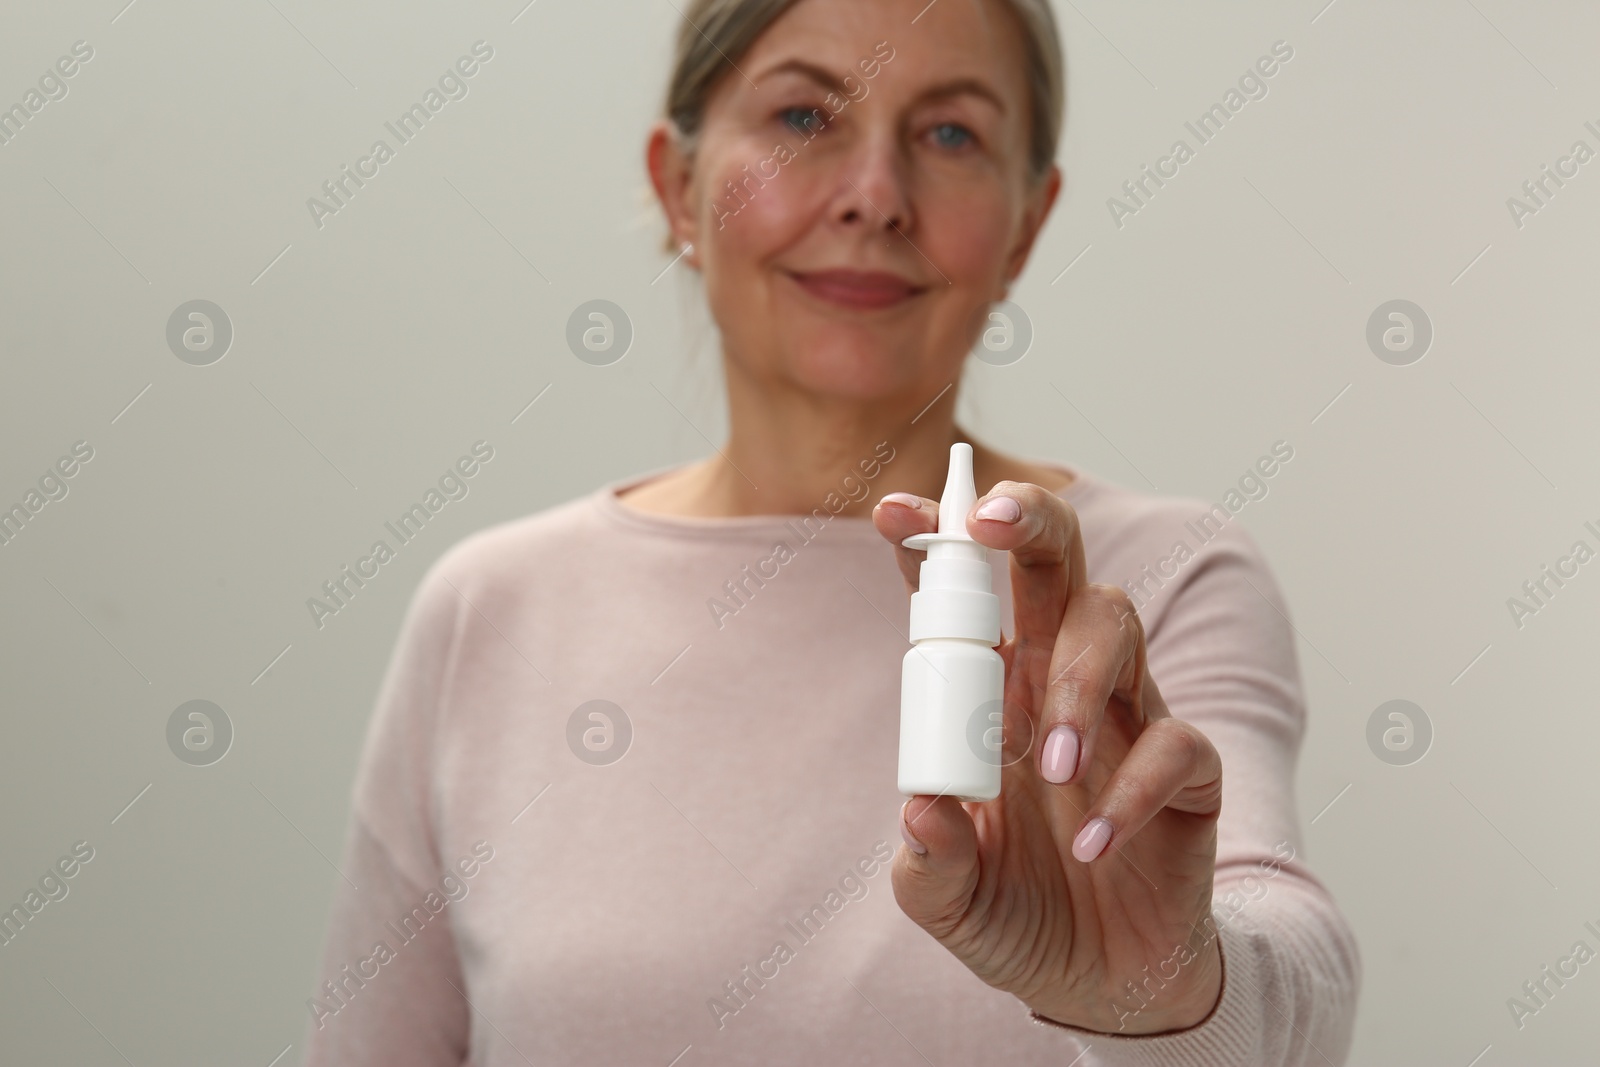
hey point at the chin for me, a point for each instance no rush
(850, 365)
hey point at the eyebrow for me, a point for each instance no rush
(954, 87)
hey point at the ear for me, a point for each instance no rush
(671, 176)
(1041, 199)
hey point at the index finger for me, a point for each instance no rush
(1041, 532)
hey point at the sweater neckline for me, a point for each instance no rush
(856, 528)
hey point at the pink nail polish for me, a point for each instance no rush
(1091, 840)
(1001, 509)
(916, 846)
(1060, 756)
(901, 498)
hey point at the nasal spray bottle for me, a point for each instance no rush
(952, 681)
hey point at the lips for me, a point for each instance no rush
(857, 288)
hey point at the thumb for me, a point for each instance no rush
(935, 886)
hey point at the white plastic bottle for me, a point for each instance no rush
(952, 681)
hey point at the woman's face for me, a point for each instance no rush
(879, 197)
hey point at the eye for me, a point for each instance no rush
(800, 119)
(952, 135)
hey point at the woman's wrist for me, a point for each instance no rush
(1182, 1002)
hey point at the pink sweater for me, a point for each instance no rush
(720, 893)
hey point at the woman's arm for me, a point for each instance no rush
(1223, 652)
(390, 990)
(1180, 742)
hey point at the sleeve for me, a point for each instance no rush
(1221, 650)
(390, 990)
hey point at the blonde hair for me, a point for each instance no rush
(714, 34)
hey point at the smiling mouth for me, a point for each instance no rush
(857, 289)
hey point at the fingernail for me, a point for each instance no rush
(916, 846)
(1001, 509)
(902, 498)
(1060, 754)
(1091, 840)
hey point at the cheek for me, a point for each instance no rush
(756, 205)
(965, 231)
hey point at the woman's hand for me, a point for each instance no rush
(1027, 889)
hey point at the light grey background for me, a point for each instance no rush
(369, 354)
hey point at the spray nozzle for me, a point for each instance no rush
(952, 540)
(953, 597)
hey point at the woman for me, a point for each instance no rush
(628, 794)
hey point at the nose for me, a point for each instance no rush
(873, 192)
